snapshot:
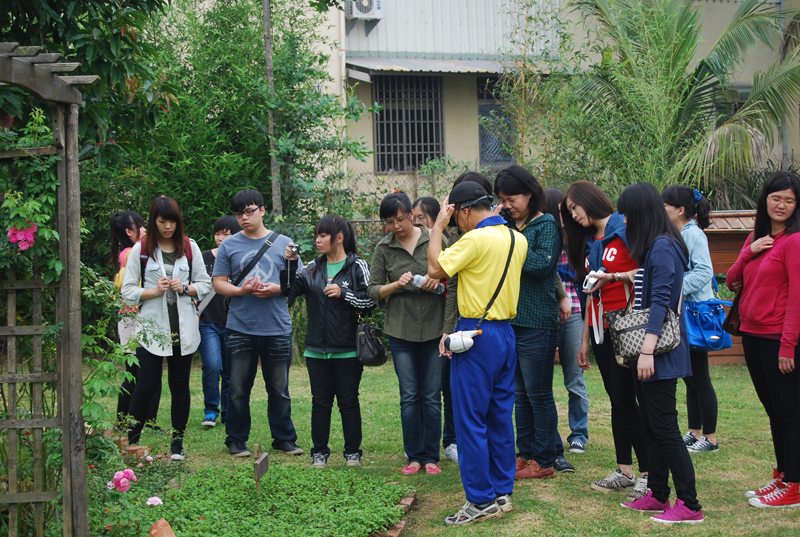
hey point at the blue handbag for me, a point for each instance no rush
(704, 324)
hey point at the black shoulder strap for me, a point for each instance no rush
(256, 258)
(502, 280)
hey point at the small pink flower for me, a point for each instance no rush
(128, 474)
(154, 500)
(118, 475)
(110, 485)
(148, 458)
(140, 465)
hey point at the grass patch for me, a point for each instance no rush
(561, 506)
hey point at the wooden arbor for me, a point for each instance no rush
(35, 72)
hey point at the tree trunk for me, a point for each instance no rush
(275, 169)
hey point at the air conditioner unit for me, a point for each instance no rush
(363, 9)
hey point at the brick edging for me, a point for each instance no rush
(398, 529)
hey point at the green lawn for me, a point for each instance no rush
(561, 506)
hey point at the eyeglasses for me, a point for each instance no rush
(395, 223)
(246, 212)
(777, 200)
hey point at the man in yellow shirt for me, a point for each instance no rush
(482, 378)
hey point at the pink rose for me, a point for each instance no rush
(154, 500)
(128, 474)
(140, 465)
(23, 238)
(123, 485)
(149, 458)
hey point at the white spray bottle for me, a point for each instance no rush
(461, 341)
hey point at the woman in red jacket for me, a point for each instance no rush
(767, 273)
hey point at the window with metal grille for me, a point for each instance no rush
(409, 130)
(495, 129)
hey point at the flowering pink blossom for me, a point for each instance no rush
(154, 500)
(140, 465)
(149, 458)
(123, 485)
(128, 474)
(22, 237)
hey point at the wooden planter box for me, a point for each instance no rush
(726, 235)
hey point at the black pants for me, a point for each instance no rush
(780, 395)
(148, 382)
(339, 377)
(626, 425)
(126, 393)
(668, 453)
(449, 428)
(701, 399)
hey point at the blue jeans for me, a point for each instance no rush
(212, 354)
(569, 342)
(419, 372)
(534, 405)
(275, 352)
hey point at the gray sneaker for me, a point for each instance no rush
(703, 444)
(616, 481)
(451, 452)
(319, 460)
(639, 489)
(353, 459)
(689, 438)
(504, 503)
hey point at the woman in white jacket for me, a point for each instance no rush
(174, 275)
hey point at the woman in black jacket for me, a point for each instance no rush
(335, 287)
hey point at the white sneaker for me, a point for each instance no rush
(639, 489)
(451, 452)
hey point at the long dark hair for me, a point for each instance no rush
(516, 180)
(647, 219)
(552, 200)
(683, 196)
(597, 205)
(120, 223)
(777, 181)
(168, 209)
(333, 225)
(475, 177)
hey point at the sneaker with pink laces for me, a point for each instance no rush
(788, 496)
(679, 514)
(647, 504)
(776, 483)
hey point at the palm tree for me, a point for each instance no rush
(654, 111)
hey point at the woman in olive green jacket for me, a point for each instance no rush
(414, 319)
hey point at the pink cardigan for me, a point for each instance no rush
(770, 302)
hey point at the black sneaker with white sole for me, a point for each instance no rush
(176, 450)
(563, 466)
(703, 444)
(238, 449)
(576, 446)
(289, 447)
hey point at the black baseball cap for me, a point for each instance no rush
(466, 193)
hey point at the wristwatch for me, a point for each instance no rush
(185, 289)
(617, 277)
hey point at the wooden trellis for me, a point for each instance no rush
(38, 73)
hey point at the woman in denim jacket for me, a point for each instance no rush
(688, 210)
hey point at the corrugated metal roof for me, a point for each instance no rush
(731, 221)
(425, 65)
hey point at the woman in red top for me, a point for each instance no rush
(767, 273)
(596, 239)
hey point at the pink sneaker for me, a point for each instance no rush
(647, 504)
(679, 513)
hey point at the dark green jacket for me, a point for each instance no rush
(411, 314)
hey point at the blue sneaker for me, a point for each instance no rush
(210, 420)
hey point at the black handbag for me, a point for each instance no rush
(369, 345)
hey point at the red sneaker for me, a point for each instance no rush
(772, 486)
(788, 496)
